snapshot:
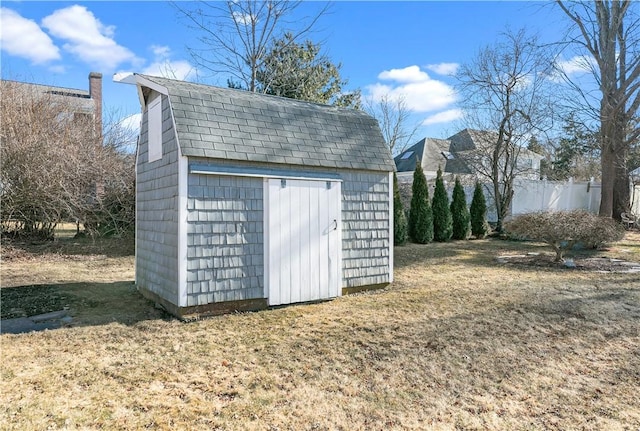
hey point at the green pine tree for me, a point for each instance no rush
(420, 215)
(460, 212)
(478, 211)
(400, 227)
(442, 221)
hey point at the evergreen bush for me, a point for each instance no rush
(400, 226)
(460, 212)
(478, 213)
(420, 215)
(442, 220)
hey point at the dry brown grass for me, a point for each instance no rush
(457, 342)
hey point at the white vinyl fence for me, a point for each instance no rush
(635, 200)
(544, 195)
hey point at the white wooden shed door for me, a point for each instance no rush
(302, 240)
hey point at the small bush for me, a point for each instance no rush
(478, 213)
(564, 229)
(459, 212)
(442, 221)
(420, 214)
(400, 226)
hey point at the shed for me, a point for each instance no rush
(246, 201)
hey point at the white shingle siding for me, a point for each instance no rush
(224, 239)
(218, 205)
(157, 213)
(365, 228)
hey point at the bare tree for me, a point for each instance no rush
(562, 230)
(51, 161)
(609, 33)
(505, 100)
(393, 115)
(237, 35)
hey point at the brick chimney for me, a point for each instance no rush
(95, 92)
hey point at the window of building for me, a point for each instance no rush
(447, 155)
(406, 155)
(154, 128)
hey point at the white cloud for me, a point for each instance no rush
(24, 38)
(161, 51)
(179, 69)
(132, 122)
(443, 117)
(242, 18)
(86, 37)
(576, 64)
(419, 92)
(447, 69)
(167, 68)
(407, 74)
(163, 66)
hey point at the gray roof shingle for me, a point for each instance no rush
(432, 153)
(239, 125)
(444, 153)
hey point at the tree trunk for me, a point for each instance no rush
(608, 180)
(621, 192)
(497, 195)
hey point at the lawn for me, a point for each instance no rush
(459, 341)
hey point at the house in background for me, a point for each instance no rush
(452, 156)
(80, 105)
(246, 201)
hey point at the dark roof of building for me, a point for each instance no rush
(446, 153)
(239, 125)
(406, 161)
(434, 154)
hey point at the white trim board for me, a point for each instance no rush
(262, 173)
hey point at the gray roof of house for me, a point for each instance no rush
(223, 123)
(406, 161)
(433, 154)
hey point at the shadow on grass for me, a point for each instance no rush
(110, 247)
(88, 304)
(481, 253)
(519, 256)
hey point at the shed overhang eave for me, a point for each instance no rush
(140, 81)
(203, 169)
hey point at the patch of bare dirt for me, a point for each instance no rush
(27, 301)
(597, 264)
(65, 249)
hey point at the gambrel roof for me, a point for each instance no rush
(238, 125)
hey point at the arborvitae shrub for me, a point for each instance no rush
(478, 212)
(400, 226)
(442, 221)
(564, 229)
(460, 212)
(420, 215)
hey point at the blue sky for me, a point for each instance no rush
(398, 48)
